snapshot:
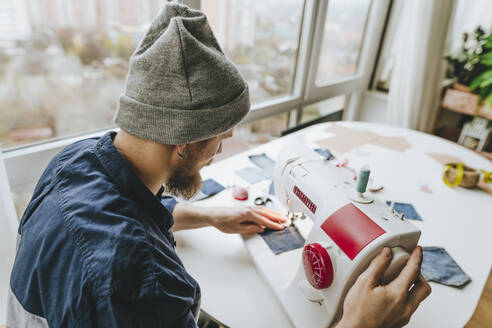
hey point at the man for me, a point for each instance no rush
(96, 244)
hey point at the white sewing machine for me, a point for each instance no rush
(342, 237)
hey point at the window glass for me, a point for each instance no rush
(342, 39)
(63, 64)
(323, 108)
(261, 38)
(264, 130)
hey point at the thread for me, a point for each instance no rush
(363, 179)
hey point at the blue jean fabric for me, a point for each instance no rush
(251, 174)
(439, 266)
(281, 241)
(264, 163)
(407, 209)
(210, 187)
(325, 153)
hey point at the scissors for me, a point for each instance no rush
(262, 200)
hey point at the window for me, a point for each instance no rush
(323, 108)
(63, 64)
(261, 38)
(342, 39)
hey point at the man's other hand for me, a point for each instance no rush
(246, 219)
(371, 305)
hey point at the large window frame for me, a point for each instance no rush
(25, 164)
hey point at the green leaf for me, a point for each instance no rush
(486, 59)
(476, 82)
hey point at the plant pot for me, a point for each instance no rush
(463, 101)
(461, 87)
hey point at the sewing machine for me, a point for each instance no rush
(344, 229)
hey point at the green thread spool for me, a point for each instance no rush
(363, 179)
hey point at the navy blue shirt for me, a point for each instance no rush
(96, 249)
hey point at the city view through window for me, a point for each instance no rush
(63, 63)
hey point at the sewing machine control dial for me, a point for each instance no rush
(317, 266)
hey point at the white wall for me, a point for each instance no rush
(373, 107)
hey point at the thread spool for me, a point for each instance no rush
(362, 180)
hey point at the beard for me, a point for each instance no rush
(185, 181)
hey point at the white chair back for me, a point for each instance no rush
(8, 236)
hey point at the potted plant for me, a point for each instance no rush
(472, 70)
(482, 84)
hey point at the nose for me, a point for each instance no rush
(220, 149)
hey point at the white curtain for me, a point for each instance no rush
(419, 65)
(8, 236)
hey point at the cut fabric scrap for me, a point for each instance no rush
(346, 139)
(325, 153)
(262, 161)
(265, 163)
(271, 189)
(251, 174)
(439, 266)
(210, 187)
(407, 209)
(281, 241)
(444, 158)
(394, 143)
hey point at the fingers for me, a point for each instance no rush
(377, 267)
(250, 228)
(263, 221)
(410, 272)
(270, 214)
(419, 292)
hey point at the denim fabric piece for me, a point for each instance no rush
(251, 174)
(407, 209)
(271, 190)
(439, 266)
(210, 187)
(285, 240)
(262, 160)
(325, 153)
(265, 163)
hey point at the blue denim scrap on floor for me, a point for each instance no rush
(407, 209)
(439, 266)
(210, 187)
(281, 241)
(325, 153)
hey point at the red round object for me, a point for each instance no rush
(239, 193)
(317, 266)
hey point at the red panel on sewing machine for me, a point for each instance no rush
(351, 229)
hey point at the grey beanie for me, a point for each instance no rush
(181, 87)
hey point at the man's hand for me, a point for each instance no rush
(371, 305)
(246, 219)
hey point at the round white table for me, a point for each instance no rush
(460, 220)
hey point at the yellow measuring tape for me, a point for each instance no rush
(487, 176)
(459, 175)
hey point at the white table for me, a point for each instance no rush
(457, 219)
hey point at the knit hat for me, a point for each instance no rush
(181, 87)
